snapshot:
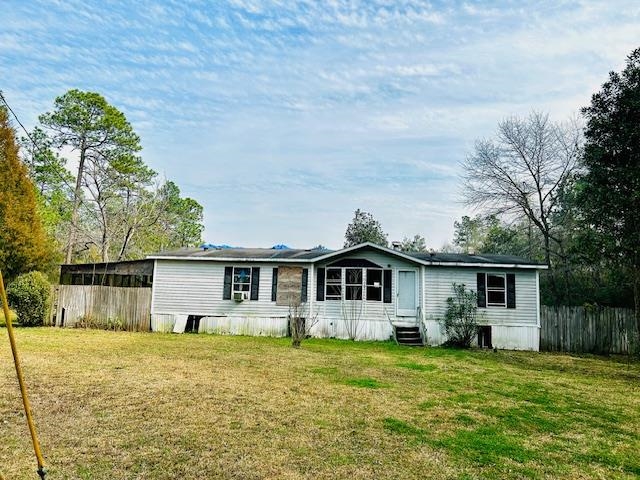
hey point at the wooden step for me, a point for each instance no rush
(401, 336)
(407, 329)
(410, 336)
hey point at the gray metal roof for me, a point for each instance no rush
(293, 255)
(469, 258)
(243, 253)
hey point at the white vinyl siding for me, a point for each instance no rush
(183, 287)
(375, 314)
(438, 287)
(195, 288)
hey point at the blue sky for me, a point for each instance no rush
(283, 117)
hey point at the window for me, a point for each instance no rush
(241, 279)
(334, 284)
(374, 284)
(357, 283)
(496, 290)
(353, 284)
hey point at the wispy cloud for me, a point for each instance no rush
(284, 117)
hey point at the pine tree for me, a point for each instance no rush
(23, 245)
(610, 190)
(364, 228)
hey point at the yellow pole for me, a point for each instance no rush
(23, 389)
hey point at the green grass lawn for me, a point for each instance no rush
(3, 320)
(131, 405)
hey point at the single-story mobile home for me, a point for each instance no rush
(365, 292)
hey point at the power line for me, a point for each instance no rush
(77, 198)
(41, 151)
(64, 180)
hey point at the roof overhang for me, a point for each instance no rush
(353, 249)
(420, 261)
(233, 259)
(366, 245)
(489, 265)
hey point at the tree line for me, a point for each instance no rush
(112, 207)
(566, 194)
(563, 193)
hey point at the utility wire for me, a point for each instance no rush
(35, 144)
(64, 180)
(42, 152)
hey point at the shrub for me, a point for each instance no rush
(30, 295)
(112, 323)
(300, 322)
(460, 322)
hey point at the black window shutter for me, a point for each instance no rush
(320, 285)
(386, 280)
(303, 287)
(255, 282)
(228, 276)
(274, 285)
(482, 290)
(511, 290)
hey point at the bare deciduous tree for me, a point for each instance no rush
(522, 171)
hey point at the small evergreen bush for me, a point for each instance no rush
(30, 296)
(460, 322)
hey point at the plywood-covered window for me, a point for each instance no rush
(290, 285)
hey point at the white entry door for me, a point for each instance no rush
(407, 296)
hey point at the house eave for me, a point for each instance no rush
(360, 246)
(348, 250)
(427, 262)
(487, 265)
(232, 259)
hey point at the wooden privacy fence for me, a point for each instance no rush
(586, 329)
(94, 305)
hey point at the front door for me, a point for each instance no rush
(407, 296)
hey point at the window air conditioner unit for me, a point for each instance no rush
(240, 296)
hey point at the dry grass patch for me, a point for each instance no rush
(131, 405)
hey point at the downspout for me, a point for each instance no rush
(423, 303)
(538, 298)
(311, 290)
(538, 306)
(153, 292)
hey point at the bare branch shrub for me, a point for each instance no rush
(352, 317)
(301, 320)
